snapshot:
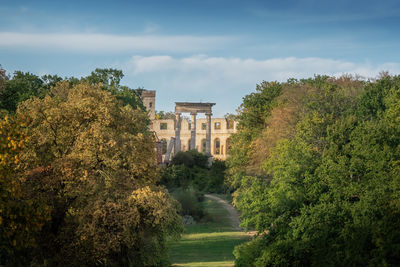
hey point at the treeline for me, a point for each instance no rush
(78, 182)
(24, 85)
(315, 170)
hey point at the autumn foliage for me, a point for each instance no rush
(84, 161)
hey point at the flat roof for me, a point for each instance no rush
(193, 107)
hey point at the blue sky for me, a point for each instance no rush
(210, 51)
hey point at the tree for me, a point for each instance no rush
(252, 115)
(110, 80)
(24, 85)
(333, 198)
(161, 115)
(3, 79)
(21, 218)
(92, 160)
(21, 87)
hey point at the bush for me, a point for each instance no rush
(190, 200)
(183, 158)
(190, 169)
(246, 253)
(190, 158)
(216, 177)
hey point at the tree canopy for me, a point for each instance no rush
(89, 160)
(326, 190)
(23, 85)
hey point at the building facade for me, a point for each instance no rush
(190, 132)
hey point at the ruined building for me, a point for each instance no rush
(208, 135)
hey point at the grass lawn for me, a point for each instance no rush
(208, 244)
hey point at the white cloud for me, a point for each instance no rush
(226, 80)
(111, 43)
(251, 70)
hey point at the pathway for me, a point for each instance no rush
(212, 242)
(233, 214)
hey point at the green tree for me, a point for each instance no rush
(3, 80)
(252, 116)
(191, 169)
(333, 198)
(110, 80)
(21, 87)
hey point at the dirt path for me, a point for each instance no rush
(233, 214)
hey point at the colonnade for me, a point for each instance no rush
(178, 122)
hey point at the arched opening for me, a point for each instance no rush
(203, 145)
(164, 146)
(217, 146)
(189, 144)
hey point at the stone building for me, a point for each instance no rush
(208, 135)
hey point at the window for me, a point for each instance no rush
(229, 124)
(189, 144)
(217, 126)
(151, 104)
(189, 125)
(204, 126)
(163, 126)
(217, 146)
(164, 146)
(203, 145)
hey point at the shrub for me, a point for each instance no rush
(190, 200)
(191, 169)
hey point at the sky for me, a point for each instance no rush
(201, 51)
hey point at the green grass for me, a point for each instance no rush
(210, 243)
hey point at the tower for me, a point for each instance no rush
(149, 101)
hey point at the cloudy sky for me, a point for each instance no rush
(209, 51)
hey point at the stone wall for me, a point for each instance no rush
(166, 129)
(222, 134)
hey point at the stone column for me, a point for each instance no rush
(193, 132)
(177, 132)
(208, 134)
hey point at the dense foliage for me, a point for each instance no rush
(189, 176)
(24, 85)
(21, 218)
(323, 187)
(190, 169)
(78, 182)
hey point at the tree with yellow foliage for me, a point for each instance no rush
(21, 218)
(91, 159)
